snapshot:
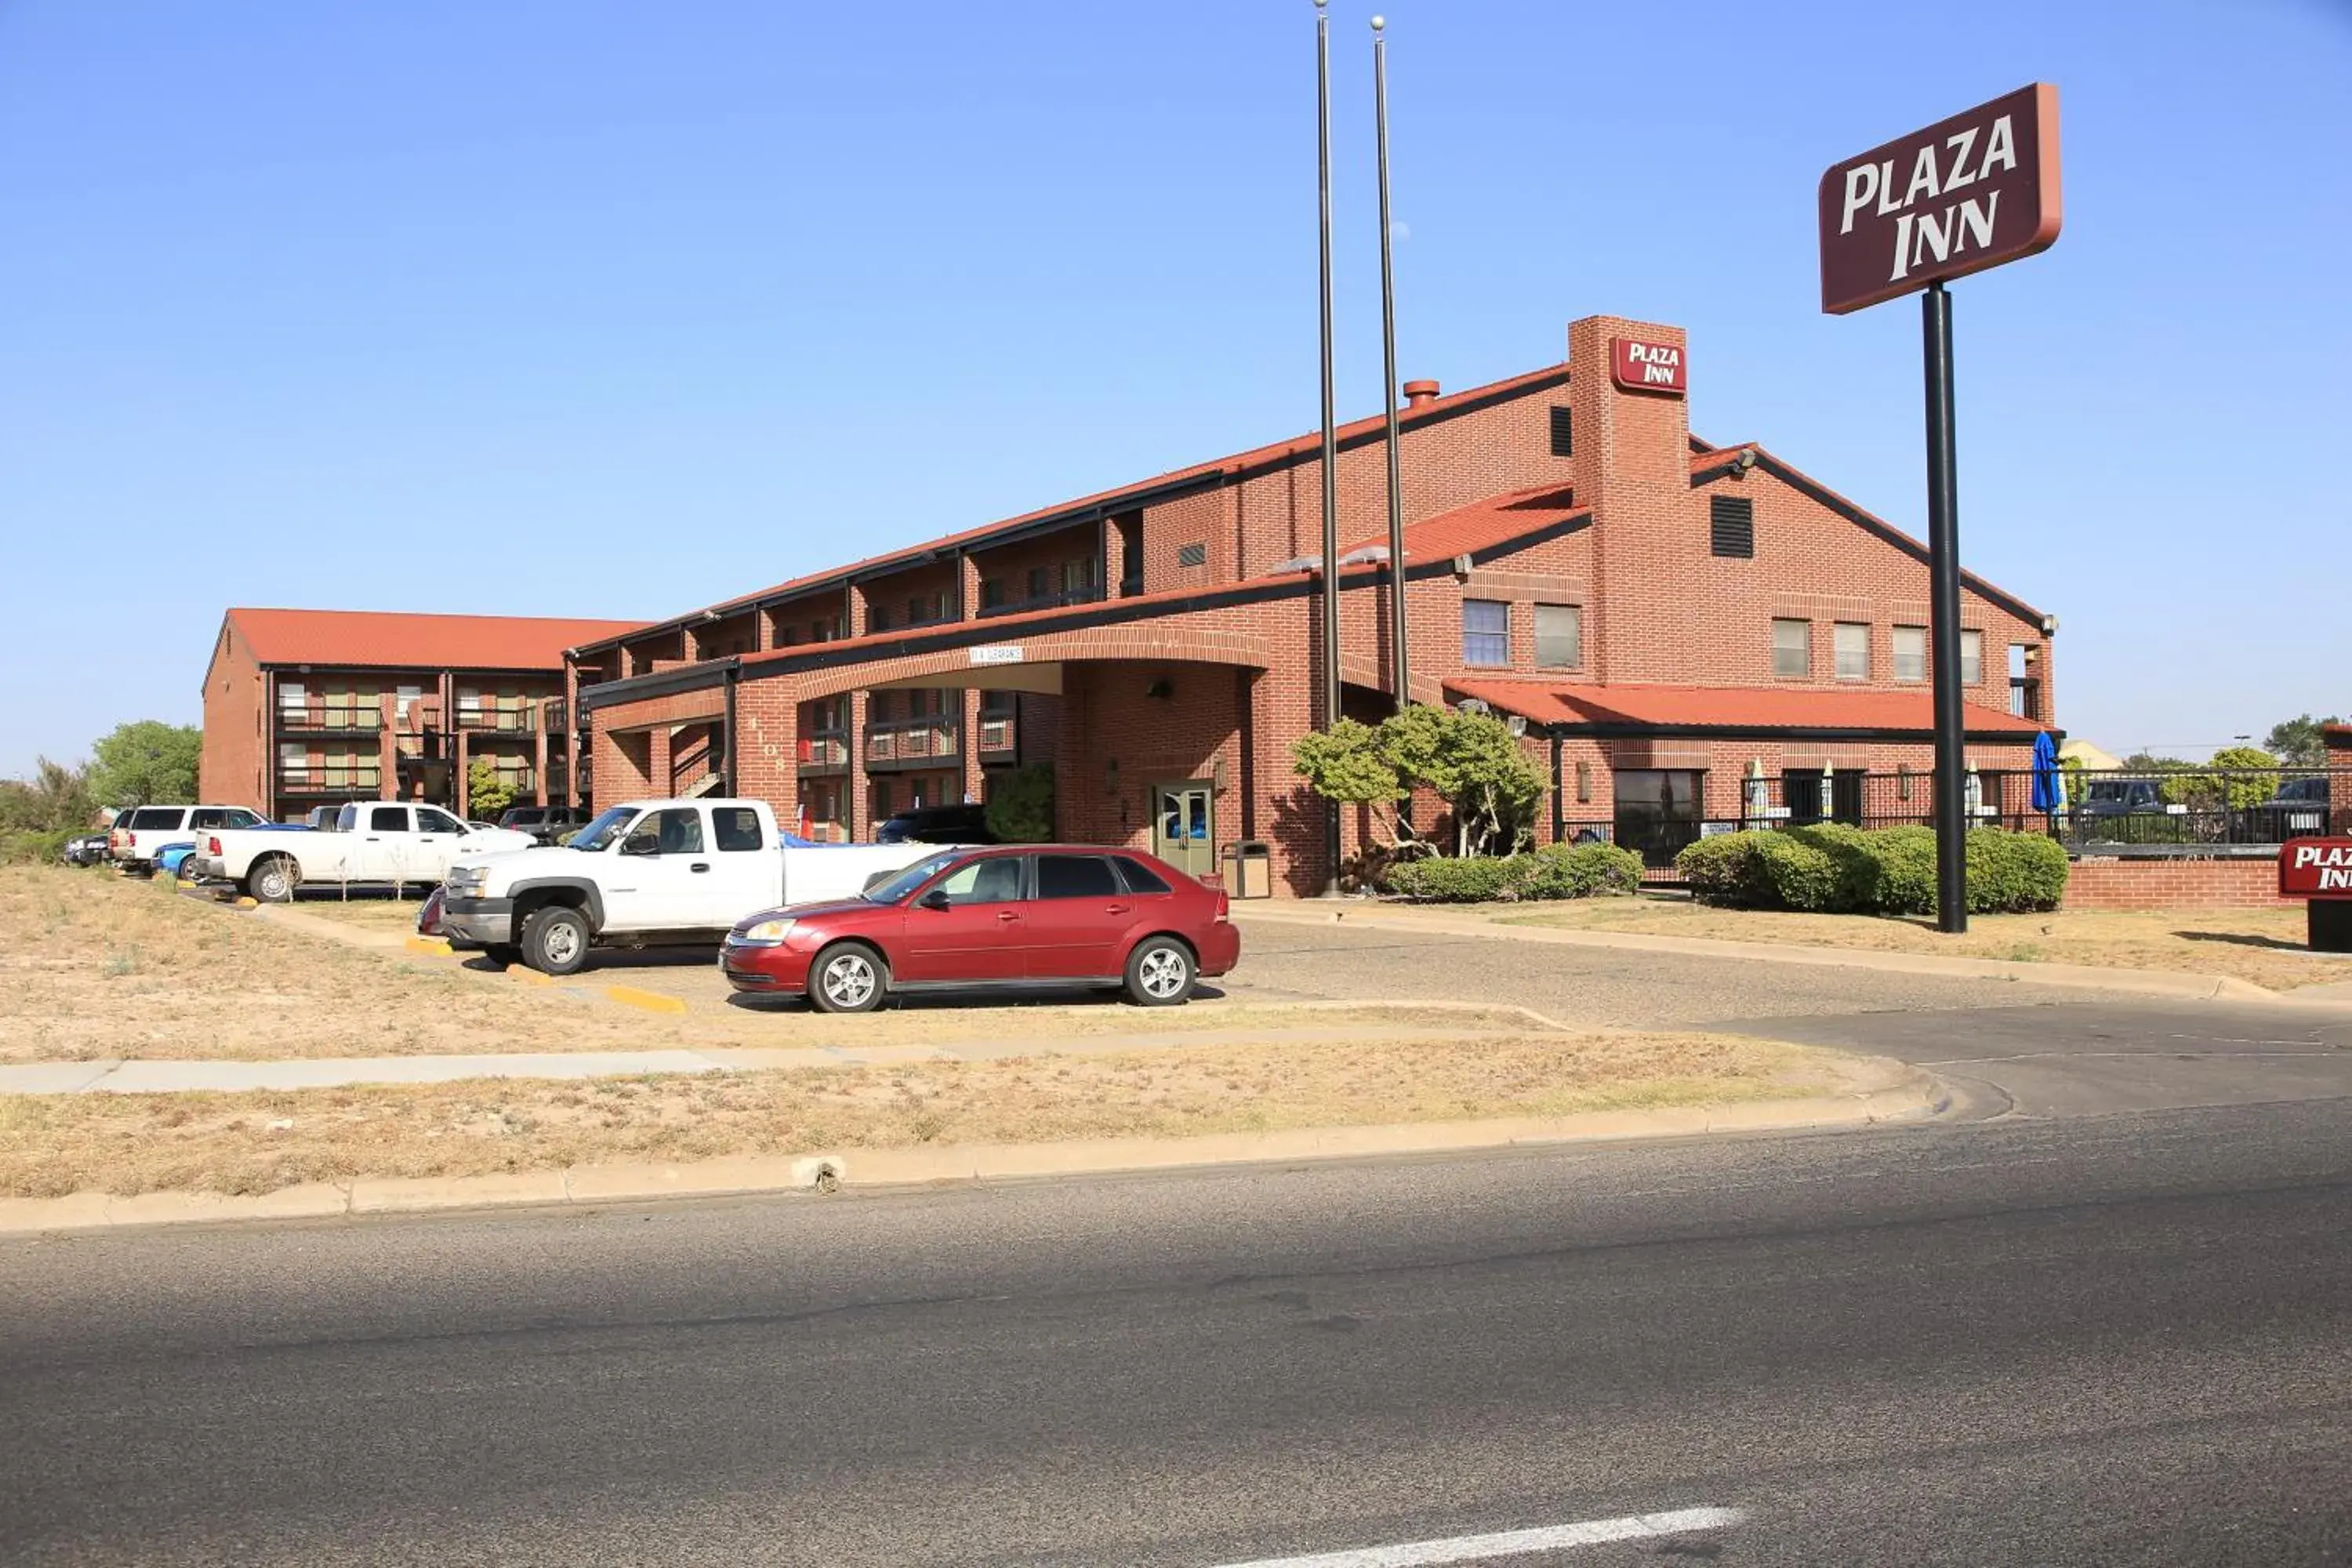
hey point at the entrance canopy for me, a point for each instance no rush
(1041, 676)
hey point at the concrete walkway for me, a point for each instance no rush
(1366, 914)
(149, 1077)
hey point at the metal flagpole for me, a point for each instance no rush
(1944, 613)
(1331, 441)
(1401, 681)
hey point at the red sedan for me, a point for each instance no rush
(1042, 915)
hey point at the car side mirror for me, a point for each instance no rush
(937, 899)
(640, 846)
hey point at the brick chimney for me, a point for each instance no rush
(1630, 463)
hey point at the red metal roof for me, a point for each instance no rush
(1256, 457)
(389, 640)
(1730, 708)
(1481, 525)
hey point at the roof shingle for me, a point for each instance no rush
(385, 639)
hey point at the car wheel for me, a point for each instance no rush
(555, 941)
(849, 977)
(274, 881)
(1159, 972)
(506, 955)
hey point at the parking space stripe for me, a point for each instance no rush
(1511, 1543)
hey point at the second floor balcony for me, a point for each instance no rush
(908, 743)
(823, 751)
(318, 717)
(497, 721)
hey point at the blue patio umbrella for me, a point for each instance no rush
(2049, 783)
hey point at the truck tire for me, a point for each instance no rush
(273, 879)
(1159, 973)
(848, 977)
(555, 940)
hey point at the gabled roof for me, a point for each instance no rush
(381, 640)
(1481, 525)
(1699, 709)
(1103, 502)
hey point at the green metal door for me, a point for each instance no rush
(1183, 831)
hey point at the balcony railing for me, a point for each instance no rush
(497, 721)
(320, 781)
(341, 719)
(912, 740)
(559, 717)
(1085, 593)
(824, 748)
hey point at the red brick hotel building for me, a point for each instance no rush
(1663, 612)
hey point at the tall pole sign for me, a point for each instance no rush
(1963, 194)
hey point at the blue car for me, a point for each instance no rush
(169, 857)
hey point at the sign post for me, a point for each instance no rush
(1965, 193)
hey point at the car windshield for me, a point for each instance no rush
(900, 887)
(605, 831)
(2108, 789)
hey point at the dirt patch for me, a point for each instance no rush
(2264, 946)
(258, 1142)
(92, 966)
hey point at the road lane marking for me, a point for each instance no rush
(1510, 1542)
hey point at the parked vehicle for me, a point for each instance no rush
(647, 873)
(937, 825)
(387, 844)
(321, 818)
(172, 857)
(1046, 915)
(87, 850)
(544, 823)
(428, 914)
(140, 833)
(2300, 807)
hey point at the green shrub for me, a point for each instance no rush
(1576, 871)
(1827, 867)
(1020, 807)
(36, 848)
(1447, 880)
(2013, 871)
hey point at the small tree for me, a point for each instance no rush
(2237, 777)
(54, 798)
(144, 761)
(1353, 764)
(487, 795)
(1021, 806)
(2297, 743)
(1471, 759)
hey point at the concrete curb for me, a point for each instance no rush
(1910, 1096)
(2081, 976)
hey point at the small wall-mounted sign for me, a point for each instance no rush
(997, 653)
(1648, 367)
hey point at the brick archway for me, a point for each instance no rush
(1140, 643)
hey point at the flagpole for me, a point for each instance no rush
(1401, 681)
(1330, 440)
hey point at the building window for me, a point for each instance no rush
(1041, 582)
(1793, 648)
(1972, 659)
(1850, 643)
(1563, 433)
(877, 618)
(1731, 524)
(1911, 653)
(1559, 637)
(1485, 632)
(991, 592)
(1078, 576)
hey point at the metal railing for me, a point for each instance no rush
(2130, 812)
(321, 781)
(824, 748)
(997, 733)
(912, 740)
(497, 721)
(1084, 593)
(338, 718)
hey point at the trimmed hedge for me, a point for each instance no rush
(1830, 868)
(1555, 871)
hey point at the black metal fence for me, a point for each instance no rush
(2115, 811)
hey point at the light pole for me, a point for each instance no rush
(1401, 680)
(1331, 440)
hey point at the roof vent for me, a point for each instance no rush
(1417, 392)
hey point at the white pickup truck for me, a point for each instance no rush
(375, 843)
(649, 873)
(141, 832)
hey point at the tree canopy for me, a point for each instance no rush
(1470, 760)
(146, 762)
(2296, 741)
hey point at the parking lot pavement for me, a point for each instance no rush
(1286, 961)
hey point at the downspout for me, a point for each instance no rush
(1558, 797)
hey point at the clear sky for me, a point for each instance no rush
(573, 308)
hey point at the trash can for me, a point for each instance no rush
(1249, 869)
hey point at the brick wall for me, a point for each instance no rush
(231, 770)
(2164, 884)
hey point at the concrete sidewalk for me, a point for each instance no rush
(1368, 915)
(150, 1077)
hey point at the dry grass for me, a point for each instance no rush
(376, 914)
(2264, 946)
(92, 966)
(257, 1142)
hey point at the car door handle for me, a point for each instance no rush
(1008, 916)
(1115, 909)
(700, 865)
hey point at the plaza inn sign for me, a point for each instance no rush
(1963, 194)
(1905, 217)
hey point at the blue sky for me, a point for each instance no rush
(613, 310)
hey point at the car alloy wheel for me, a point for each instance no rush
(555, 941)
(274, 883)
(848, 980)
(560, 944)
(1159, 973)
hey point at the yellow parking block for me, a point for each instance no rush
(529, 976)
(432, 944)
(247, 904)
(650, 1001)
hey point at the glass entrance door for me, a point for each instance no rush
(1183, 831)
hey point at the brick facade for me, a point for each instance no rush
(2168, 883)
(1205, 663)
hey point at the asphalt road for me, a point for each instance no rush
(2111, 1338)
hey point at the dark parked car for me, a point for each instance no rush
(2300, 808)
(87, 850)
(937, 825)
(1042, 915)
(544, 823)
